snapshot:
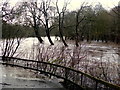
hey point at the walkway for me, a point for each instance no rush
(15, 77)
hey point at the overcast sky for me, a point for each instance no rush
(105, 3)
(76, 3)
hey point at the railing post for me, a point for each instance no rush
(81, 79)
(96, 85)
(50, 70)
(66, 73)
(37, 65)
(66, 77)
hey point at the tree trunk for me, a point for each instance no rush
(48, 35)
(61, 36)
(76, 39)
(48, 32)
(76, 30)
(60, 31)
(38, 36)
(46, 22)
(36, 30)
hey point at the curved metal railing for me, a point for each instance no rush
(73, 79)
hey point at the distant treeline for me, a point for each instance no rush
(13, 31)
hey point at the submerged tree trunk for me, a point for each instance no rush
(76, 30)
(60, 30)
(36, 29)
(49, 38)
(48, 32)
(38, 36)
(61, 36)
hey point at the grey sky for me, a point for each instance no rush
(76, 3)
(105, 3)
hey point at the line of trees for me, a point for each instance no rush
(46, 18)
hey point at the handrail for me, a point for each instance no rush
(77, 77)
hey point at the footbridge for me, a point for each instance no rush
(73, 79)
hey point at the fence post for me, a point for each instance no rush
(37, 65)
(66, 73)
(66, 76)
(96, 85)
(50, 70)
(81, 79)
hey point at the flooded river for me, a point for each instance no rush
(95, 50)
(94, 53)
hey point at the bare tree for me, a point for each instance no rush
(31, 16)
(37, 14)
(45, 11)
(78, 21)
(61, 15)
(9, 45)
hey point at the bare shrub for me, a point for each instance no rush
(77, 58)
(9, 46)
